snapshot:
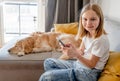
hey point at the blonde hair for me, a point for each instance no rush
(99, 31)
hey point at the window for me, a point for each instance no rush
(20, 19)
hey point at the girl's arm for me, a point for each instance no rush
(91, 62)
(88, 62)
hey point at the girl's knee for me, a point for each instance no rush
(49, 64)
(47, 76)
(48, 61)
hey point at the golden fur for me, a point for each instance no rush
(42, 42)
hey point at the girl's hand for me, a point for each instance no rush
(70, 50)
(65, 48)
(81, 51)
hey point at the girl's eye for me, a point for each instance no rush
(85, 19)
(93, 19)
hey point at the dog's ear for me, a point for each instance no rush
(36, 33)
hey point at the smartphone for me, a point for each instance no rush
(61, 42)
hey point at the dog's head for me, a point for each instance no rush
(23, 46)
(17, 49)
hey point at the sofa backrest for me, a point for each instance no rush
(113, 30)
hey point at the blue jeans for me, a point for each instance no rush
(71, 70)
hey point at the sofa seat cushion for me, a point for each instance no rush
(4, 55)
(111, 71)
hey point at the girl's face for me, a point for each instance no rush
(90, 21)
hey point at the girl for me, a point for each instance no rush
(91, 56)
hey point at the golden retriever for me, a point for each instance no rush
(42, 42)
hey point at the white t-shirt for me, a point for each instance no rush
(99, 47)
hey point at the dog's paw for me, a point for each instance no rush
(35, 50)
(21, 54)
(44, 49)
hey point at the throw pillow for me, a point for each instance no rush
(69, 28)
(111, 71)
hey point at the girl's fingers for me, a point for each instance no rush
(67, 45)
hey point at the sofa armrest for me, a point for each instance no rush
(52, 30)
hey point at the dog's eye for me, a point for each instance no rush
(16, 47)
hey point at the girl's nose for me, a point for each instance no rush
(88, 22)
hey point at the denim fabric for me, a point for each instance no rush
(71, 70)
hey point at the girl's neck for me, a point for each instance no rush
(91, 34)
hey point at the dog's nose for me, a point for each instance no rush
(9, 50)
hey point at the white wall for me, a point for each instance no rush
(1, 25)
(111, 8)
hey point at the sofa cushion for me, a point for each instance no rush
(111, 71)
(69, 28)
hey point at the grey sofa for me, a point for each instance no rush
(25, 68)
(30, 67)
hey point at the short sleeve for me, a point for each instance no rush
(83, 39)
(98, 48)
